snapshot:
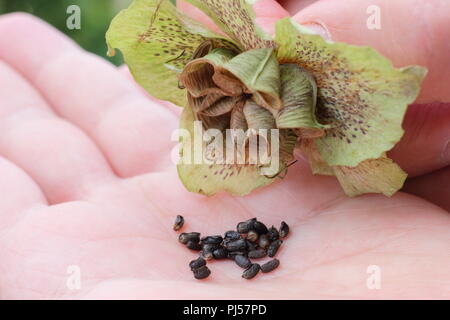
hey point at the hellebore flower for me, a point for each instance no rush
(342, 105)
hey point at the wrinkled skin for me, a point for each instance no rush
(87, 180)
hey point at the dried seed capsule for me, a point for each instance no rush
(242, 261)
(271, 265)
(245, 226)
(179, 222)
(237, 245)
(185, 237)
(264, 241)
(260, 227)
(251, 272)
(284, 230)
(232, 235)
(273, 248)
(202, 273)
(258, 253)
(197, 263)
(193, 245)
(233, 254)
(207, 255)
(212, 240)
(220, 253)
(252, 236)
(273, 234)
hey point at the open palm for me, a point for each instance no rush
(87, 181)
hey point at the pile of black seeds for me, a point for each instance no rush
(252, 240)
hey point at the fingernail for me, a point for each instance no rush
(318, 28)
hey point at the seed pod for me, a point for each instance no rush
(207, 255)
(232, 235)
(233, 254)
(220, 253)
(242, 261)
(252, 236)
(212, 240)
(179, 222)
(273, 234)
(260, 227)
(193, 245)
(251, 272)
(197, 263)
(284, 230)
(245, 226)
(264, 241)
(185, 237)
(202, 273)
(257, 254)
(237, 245)
(271, 265)
(273, 248)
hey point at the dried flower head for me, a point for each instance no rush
(342, 105)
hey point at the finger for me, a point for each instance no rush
(90, 93)
(294, 6)
(412, 32)
(267, 12)
(19, 192)
(426, 145)
(433, 187)
(58, 156)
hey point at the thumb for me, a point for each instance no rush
(267, 13)
(406, 31)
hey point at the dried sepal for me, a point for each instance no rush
(361, 96)
(258, 117)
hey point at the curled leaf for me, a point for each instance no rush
(361, 96)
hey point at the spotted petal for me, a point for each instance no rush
(361, 96)
(157, 41)
(236, 18)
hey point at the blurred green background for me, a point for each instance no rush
(96, 16)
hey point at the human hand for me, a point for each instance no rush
(88, 181)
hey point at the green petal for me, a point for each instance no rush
(298, 93)
(157, 41)
(259, 70)
(371, 176)
(237, 19)
(209, 179)
(361, 96)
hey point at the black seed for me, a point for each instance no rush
(212, 240)
(251, 272)
(260, 227)
(242, 261)
(233, 254)
(207, 255)
(271, 265)
(220, 253)
(252, 236)
(179, 222)
(258, 253)
(185, 237)
(197, 263)
(237, 245)
(273, 248)
(251, 246)
(232, 235)
(245, 226)
(210, 247)
(202, 273)
(273, 234)
(264, 241)
(193, 245)
(284, 230)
